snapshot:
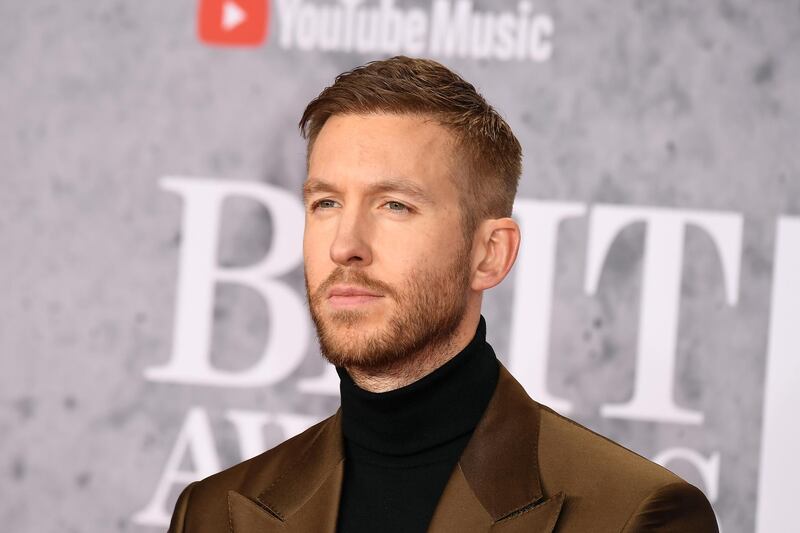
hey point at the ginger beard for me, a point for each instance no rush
(424, 313)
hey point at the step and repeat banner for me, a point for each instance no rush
(153, 323)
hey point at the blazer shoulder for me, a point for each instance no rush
(610, 484)
(204, 503)
(673, 508)
(258, 472)
(564, 441)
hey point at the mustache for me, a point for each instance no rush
(353, 277)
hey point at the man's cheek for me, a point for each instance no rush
(312, 277)
(315, 250)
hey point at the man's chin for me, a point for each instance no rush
(353, 339)
(351, 351)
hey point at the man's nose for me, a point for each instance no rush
(350, 246)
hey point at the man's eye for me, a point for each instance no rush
(324, 204)
(396, 206)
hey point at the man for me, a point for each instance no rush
(411, 181)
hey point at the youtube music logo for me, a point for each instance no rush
(440, 28)
(232, 22)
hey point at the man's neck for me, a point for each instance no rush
(417, 365)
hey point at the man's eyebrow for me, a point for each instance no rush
(314, 185)
(399, 185)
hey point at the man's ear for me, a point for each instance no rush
(496, 245)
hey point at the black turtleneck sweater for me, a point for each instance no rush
(401, 446)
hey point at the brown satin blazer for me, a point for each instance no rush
(525, 469)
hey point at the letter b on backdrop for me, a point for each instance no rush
(288, 327)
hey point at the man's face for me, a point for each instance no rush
(387, 269)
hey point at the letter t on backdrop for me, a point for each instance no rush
(653, 397)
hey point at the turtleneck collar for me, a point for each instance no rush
(438, 408)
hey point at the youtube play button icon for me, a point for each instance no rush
(232, 22)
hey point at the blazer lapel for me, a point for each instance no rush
(539, 517)
(494, 488)
(248, 516)
(460, 510)
(304, 498)
(496, 485)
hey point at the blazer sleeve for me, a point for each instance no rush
(178, 522)
(675, 508)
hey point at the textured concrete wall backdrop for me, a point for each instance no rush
(658, 111)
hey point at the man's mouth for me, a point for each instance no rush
(348, 296)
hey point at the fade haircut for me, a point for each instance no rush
(488, 157)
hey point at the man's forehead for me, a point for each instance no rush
(374, 132)
(382, 152)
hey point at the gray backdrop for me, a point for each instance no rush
(664, 112)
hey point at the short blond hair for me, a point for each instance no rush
(488, 152)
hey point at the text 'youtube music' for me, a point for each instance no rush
(447, 29)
